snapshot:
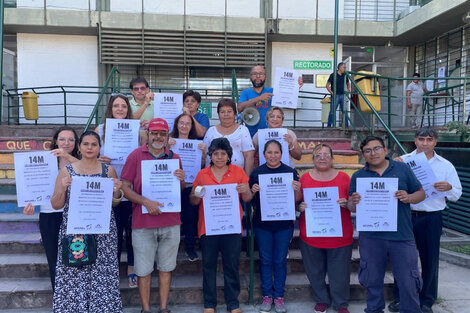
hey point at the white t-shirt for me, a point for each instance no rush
(240, 140)
(260, 149)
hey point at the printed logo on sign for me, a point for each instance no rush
(168, 99)
(98, 226)
(332, 230)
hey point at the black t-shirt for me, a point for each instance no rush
(339, 82)
(269, 225)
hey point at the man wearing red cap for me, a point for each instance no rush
(156, 235)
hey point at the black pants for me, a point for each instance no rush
(427, 228)
(189, 218)
(123, 214)
(230, 247)
(49, 226)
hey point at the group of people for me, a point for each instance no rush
(230, 155)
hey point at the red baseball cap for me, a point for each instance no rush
(158, 124)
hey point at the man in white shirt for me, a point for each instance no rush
(414, 100)
(427, 217)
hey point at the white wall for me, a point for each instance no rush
(59, 60)
(307, 9)
(238, 8)
(284, 54)
(57, 4)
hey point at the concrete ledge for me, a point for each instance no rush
(454, 258)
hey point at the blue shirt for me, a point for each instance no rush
(406, 181)
(202, 119)
(262, 107)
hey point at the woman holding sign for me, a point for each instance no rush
(327, 254)
(273, 236)
(119, 107)
(185, 128)
(94, 287)
(191, 102)
(238, 136)
(64, 146)
(220, 186)
(275, 119)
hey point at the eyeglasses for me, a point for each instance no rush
(184, 124)
(375, 149)
(158, 133)
(258, 74)
(322, 156)
(142, 88)
(62, 140)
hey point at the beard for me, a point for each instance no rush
(158, 146)
(258, 85)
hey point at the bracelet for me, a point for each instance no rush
(293, 147)
(117, 200)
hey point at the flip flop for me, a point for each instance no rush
(132, 280)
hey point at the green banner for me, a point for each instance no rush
(312, 65)
(206, 108)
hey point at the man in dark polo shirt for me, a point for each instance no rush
(397, 246)
(340, 77)
(156, 235)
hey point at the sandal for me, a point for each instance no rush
(132, 280)
(237, 310)
(208, 310)
(165, 310)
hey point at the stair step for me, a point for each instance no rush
(28, 265)
(334, 143)
(31, 293)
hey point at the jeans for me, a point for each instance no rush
(273, 247)
(189, 218)
(340, 103)
(427, 228)
(404, 260)
(230, 247)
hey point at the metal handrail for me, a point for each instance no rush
(94, 112)
(374, 111)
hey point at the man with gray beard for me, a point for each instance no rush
(156, 235)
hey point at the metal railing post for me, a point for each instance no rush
(65, 105)
(335, 61)
(389, 108)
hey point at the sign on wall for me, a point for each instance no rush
(312, 65)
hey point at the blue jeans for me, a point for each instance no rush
(273, 247)
(404, 260)
(340, 103)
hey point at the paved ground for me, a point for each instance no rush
(454, 297)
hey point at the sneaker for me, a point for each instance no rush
(426, 309)
(343, 310)
(394, 306)
(320, 307)
(279, 306)
(266, 305)
(192, 255)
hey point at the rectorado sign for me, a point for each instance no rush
(312, 65)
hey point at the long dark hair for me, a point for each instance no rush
(175, 132)
(56, 136)
(109, 110)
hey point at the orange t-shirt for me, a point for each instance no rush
(234, 175)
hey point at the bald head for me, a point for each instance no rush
(258, 76)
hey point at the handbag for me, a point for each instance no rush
(78, 250)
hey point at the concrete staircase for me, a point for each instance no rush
(24, 281)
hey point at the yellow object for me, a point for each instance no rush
(366, 84)
(325, 110)
(30, 105)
